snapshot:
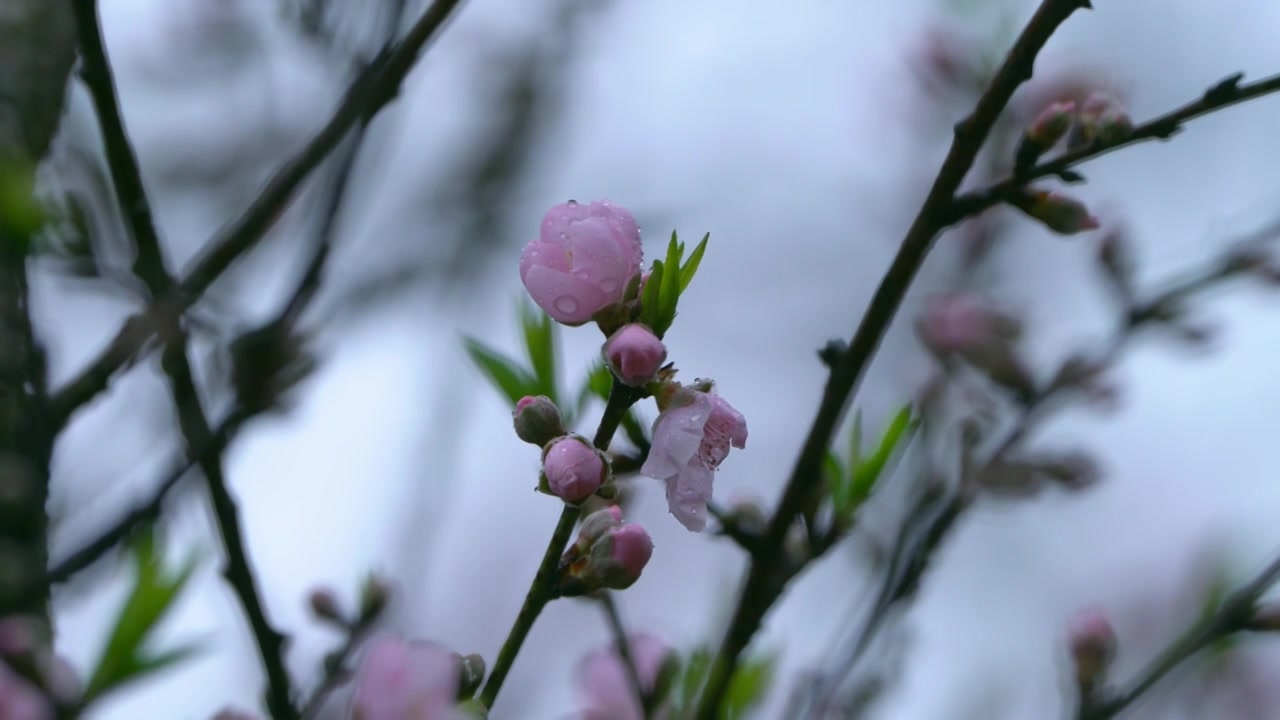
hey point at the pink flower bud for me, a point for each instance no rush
(1052, 124)
(573, 468)
(399, 679)
(607, 554)
(634, 354)
(1058, 212)
(582, 261)
(632, 549)
(1093, 644)
(1103, 118)
(325, 606)
(537, 420)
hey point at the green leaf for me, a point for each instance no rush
(748, 687)
(694, 676)
(670, 297)
(691, 267)
(598, 384)
(650, 310)
(540, 344)
(869, 469)
(836, 478)
(155, 589)
(513, 381)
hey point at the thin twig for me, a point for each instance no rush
(1224, 94)
(622, 640)
(764, 583)
(1232, 616)
(375, 88)
(336, 673)
(144, 512)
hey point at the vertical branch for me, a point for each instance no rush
(149, 265)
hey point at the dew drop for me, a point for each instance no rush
(564, 236)
(572, 203)
(583, 274)
(608, 285)
(566, 304)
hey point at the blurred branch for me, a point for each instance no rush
(1232, 616)
(145, 512)
(372, 90)
(768, 571)
(622, 640)
(1226, 93)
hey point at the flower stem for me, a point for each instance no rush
(543, 589)
(541, 592)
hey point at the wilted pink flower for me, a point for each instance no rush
(573, 468)
(691, 437)
(634, 354)
(400, 680)
(582, 261)
(605, 692)
(20, 700)
(537, 420)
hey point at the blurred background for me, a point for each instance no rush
(803, 138)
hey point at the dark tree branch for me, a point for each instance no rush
(766, 576)
(373, 90)
(1225, 94)
(622, 641)
(1232, 616)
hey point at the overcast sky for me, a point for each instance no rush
(797, 136)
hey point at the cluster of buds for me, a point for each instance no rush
(1100, 119)
(608, 554)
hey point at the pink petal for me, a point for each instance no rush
(565, 298)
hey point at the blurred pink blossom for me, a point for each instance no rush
(400, 680)
(603, 688)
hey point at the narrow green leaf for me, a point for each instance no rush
(670, 290)
(650, 310)
(869, 470)
(748, 687)
(154, 592)
(694, 677)
(540, 344)
(597, 384)
(513, 381)
(836, 478)
(691, 266)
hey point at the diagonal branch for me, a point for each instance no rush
(1225, 94)
(371, 91)
(768, 572)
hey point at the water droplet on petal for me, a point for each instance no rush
(608, 285)
(582, 273)
(564, 236)
(572, 203)
(566, 304)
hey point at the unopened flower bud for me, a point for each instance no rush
(1102, 118)
(573, 468)
(634, 354)
(374, 596)
(537, 420)
(1093, 645)
(608, 554)
(1050, 126)
(748, 516)
(1058, 212)
(325, 606)
(470, 674)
